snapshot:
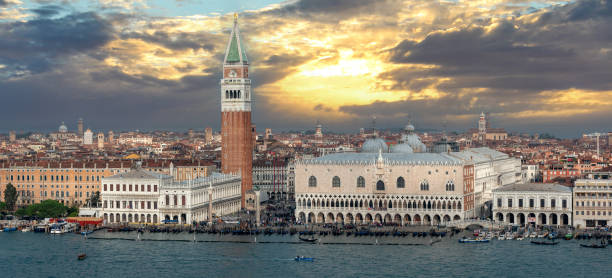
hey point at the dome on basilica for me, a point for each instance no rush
(414, 142)
(63, 128)
(402, 148)
(373, 145)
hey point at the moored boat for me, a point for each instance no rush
(542, 242)
(593, 245)
(312, 239)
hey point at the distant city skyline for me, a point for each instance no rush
(536, 66)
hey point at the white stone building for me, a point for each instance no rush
(88, 137)
(147, 197)
(492, 169)
(593, 200)
(533, 203)
(404, 188)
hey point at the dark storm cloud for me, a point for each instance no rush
(48, 10)
(179, 41)
(108, 99)
(544, 55)
(38, 44)
(325, 10)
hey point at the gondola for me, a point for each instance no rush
(593, 245)
(312, 239)
(545, 242)
(82, 256)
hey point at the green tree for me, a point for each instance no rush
(47, 208)
(94, 199)
(72, 211)
(10, 196)
(2, 206)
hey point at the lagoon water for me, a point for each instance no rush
(39, 255)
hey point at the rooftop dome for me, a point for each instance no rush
(402, 148)
(63, 128)
(373, 145)
(414, 142)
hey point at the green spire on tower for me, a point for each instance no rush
(235, 50)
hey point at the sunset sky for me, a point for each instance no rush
(535, 66)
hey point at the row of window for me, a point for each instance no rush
(588, 212)
(57, 194)
(380, 185)
(592, 204)
(128, 187)
(553, 203)
(52, 186)
(130, 204)
(56, 178)
(175, 198)
(234, 94)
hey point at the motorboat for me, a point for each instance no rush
(501, 237)
(82, 256)
(26, 229)
(303, 259)
(473, 240)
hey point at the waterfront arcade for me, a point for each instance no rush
(368, 187)
(533, 203)
(146, 197)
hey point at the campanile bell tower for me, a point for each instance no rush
(237, 143)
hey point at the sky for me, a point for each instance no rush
(535, 66)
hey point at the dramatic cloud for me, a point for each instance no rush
(534, 65)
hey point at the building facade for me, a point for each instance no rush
(533, 203)
(88, 137)
(236, 129)
(401, 188)
(140, 196)
(272, 178)
(73, 182)
(593, 200)
(492, 169)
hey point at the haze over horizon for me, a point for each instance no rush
(535, 66)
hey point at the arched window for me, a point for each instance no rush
(424, 185)
(360, 182)
(335, 181)
(450, 186)
(238, 93)
(227, 96)
(312, 181)
(380, 185)
(401, 183)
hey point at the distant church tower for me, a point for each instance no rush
(482, 127)
(237, 144)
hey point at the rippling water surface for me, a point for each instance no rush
(38, 255)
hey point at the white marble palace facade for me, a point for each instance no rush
(533, 203)
(140, 196)
(403, 188)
